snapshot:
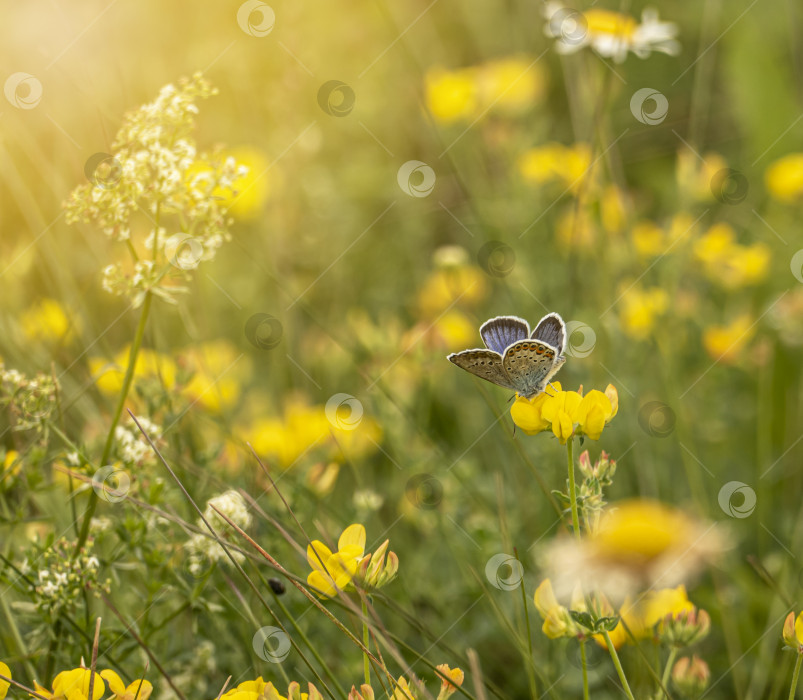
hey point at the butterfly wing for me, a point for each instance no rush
(485, 364)
(552, 331)
(501, 332)
(529, 364)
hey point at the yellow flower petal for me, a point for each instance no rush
(4, 685)
(526, 414)
(799, 628)
(323, 585)
(317, 552)
(115, 682)
(352, 535)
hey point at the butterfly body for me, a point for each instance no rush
(515, 359)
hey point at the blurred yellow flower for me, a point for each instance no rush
(464, 284)
(465, 94)
(150, 365)
(136, 690)
(694, 176)
(784, 178)
(640, 309)
(613, 209)
(729, 263)
(451, 95)
(218, 371)
(726, 343)
(566, 413)
(246, 197)
(638, 543)
(575, 228)
(557, 620)
(554, 162)
(48, 321)
(12, 463)
(649, 239)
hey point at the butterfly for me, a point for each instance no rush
(515, 359)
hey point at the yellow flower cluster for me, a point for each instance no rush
(556, 163)
(729, 263)
(337, 571)
(74, 685)
(258, 689)
(466, 94)
(566, 413)
(793, 632)
(657, 614)
(303, 428)
(210, 374)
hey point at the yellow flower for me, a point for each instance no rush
(566, 413)
(554, 162)
(726, 343)
(613, 209)
(137, 690)
(793, 632)
(73, 685)
(48, 321)
(638, 543)
(12, 463)
(649, 239)
(560, 410)
(453, 680)
(596, 410)
(451, 95)
(509, 84)
(218, 371)
(557, 620)
(374, 571)
(784, 178)
(526, 413)
(640, 309)
(334, 571)
(402, 690)
(464, 94)
(727, 262)
(4, 685)
(446, 286)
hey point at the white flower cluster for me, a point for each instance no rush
(155, 181)
(61, 578)
(132, 447)
(202, 550)
(31, 400)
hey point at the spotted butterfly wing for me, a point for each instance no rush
(529, 364)
(485, 364)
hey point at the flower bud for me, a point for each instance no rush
(684, 628)
(691, 675)
(366, 692)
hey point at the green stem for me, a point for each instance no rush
(529, 664)
(673, 652)
(796, 675)
(107, 448)
(618, 665)
(573, 488)
(366, 639)
(585, 668)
